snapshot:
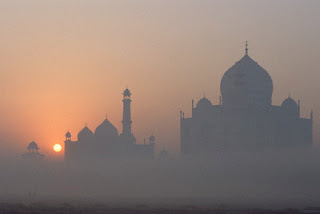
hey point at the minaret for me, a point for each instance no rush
(126, 121)
(68, 136)
(68, 147)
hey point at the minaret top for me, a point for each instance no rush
(68, 134)
(246, 48)
(127, 92)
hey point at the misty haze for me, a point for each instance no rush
(192, 106)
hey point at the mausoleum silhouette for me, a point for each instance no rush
(106, 143)
(245, 117)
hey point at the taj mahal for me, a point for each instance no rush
(244, 118)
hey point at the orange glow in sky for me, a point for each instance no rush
(66, 63)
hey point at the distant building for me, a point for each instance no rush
(33, 152)
(245, 117)
(106, 143)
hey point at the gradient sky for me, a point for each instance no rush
(66, 62)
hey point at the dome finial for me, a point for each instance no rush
(246, 48)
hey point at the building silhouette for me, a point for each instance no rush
(33, 152)
(106, 143)
(245, 117)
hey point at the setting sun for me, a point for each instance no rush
(57, 147)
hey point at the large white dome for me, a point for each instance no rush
(246, 84)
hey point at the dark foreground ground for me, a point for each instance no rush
(66, 208)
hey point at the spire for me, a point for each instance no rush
(246, 48)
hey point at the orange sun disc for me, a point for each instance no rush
(57, 147)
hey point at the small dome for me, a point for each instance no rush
(33, 146)
(290, 107)
(152, 138)
(127, 92)
(68, 134)
(204, 103)
(85, 134)
(106, 130)
(289, 103)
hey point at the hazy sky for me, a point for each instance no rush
(66, 62)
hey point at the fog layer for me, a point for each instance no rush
(265, 179)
